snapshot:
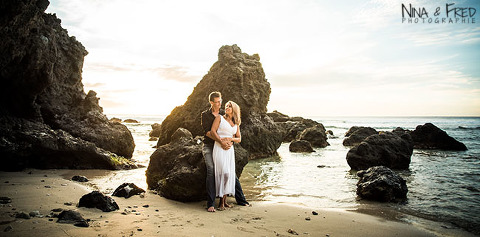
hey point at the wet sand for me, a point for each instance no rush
(44, 190)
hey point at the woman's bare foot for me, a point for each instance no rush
(227, 205)
(211, 209)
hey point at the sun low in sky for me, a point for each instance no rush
(322, 58)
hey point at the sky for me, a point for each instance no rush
(322, 58)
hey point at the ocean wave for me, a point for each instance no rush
(468, 128)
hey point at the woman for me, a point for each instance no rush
(226, 127)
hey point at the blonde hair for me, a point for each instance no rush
(236, 113)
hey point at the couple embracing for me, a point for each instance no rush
(221, 129)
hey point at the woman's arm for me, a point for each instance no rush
(238, 137)
(213, 131)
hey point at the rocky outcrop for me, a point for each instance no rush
(300, 146)
(155, 130)
(384, 149)
(41, 95)
(291, 126)
(355, 135)
(177, 170)
(98, 200)
(131, 121)
(127, 190)
(380, 183)
(240, 78)
(429, 136)
(316, 135)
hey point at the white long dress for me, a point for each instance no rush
(224, 161)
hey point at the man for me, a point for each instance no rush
(208, 116)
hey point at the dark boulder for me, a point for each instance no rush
(72, 217)
(41, 94)
(429, 136)
(115, 120)
(155, 130)
(315, 135)
(98, 200)
(380, 183)
(79, 178)
(291, 126)
(240, 78)
(177, 170)
(130, 121)
(294, 128)
(127, 190)
(300, 146)
(357, 135)
(384, 149)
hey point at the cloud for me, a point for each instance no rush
(167, 72)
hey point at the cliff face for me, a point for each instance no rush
(240, 78)
(41, 92)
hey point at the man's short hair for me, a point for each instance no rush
(214, 95)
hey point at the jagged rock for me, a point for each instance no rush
(429, 136)
(79, 178)
(127, 190)
(130, 121)
(380, 183)
(41, 94)
(384, 149)
(72, 217)
(357, 135)
(300, 146)
(155, 130)
(316, 135)
(98, 200)
(177, 170)
(115, 120)
(240, 78)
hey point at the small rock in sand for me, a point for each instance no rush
(8, 228)
(292, 232)
(22, 215)
(79, 178)
(307, 218)
(35, 214)
(314, 213)
(5, 200)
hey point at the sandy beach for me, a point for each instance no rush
(150, 214)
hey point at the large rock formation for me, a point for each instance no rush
(177, 170)
(355, 135)
(240, 78)
(380, 183)
(384, 149)
(41, 96)
(429, 136)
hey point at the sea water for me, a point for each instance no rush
(442, 185)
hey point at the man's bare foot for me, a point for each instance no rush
(211, 209)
